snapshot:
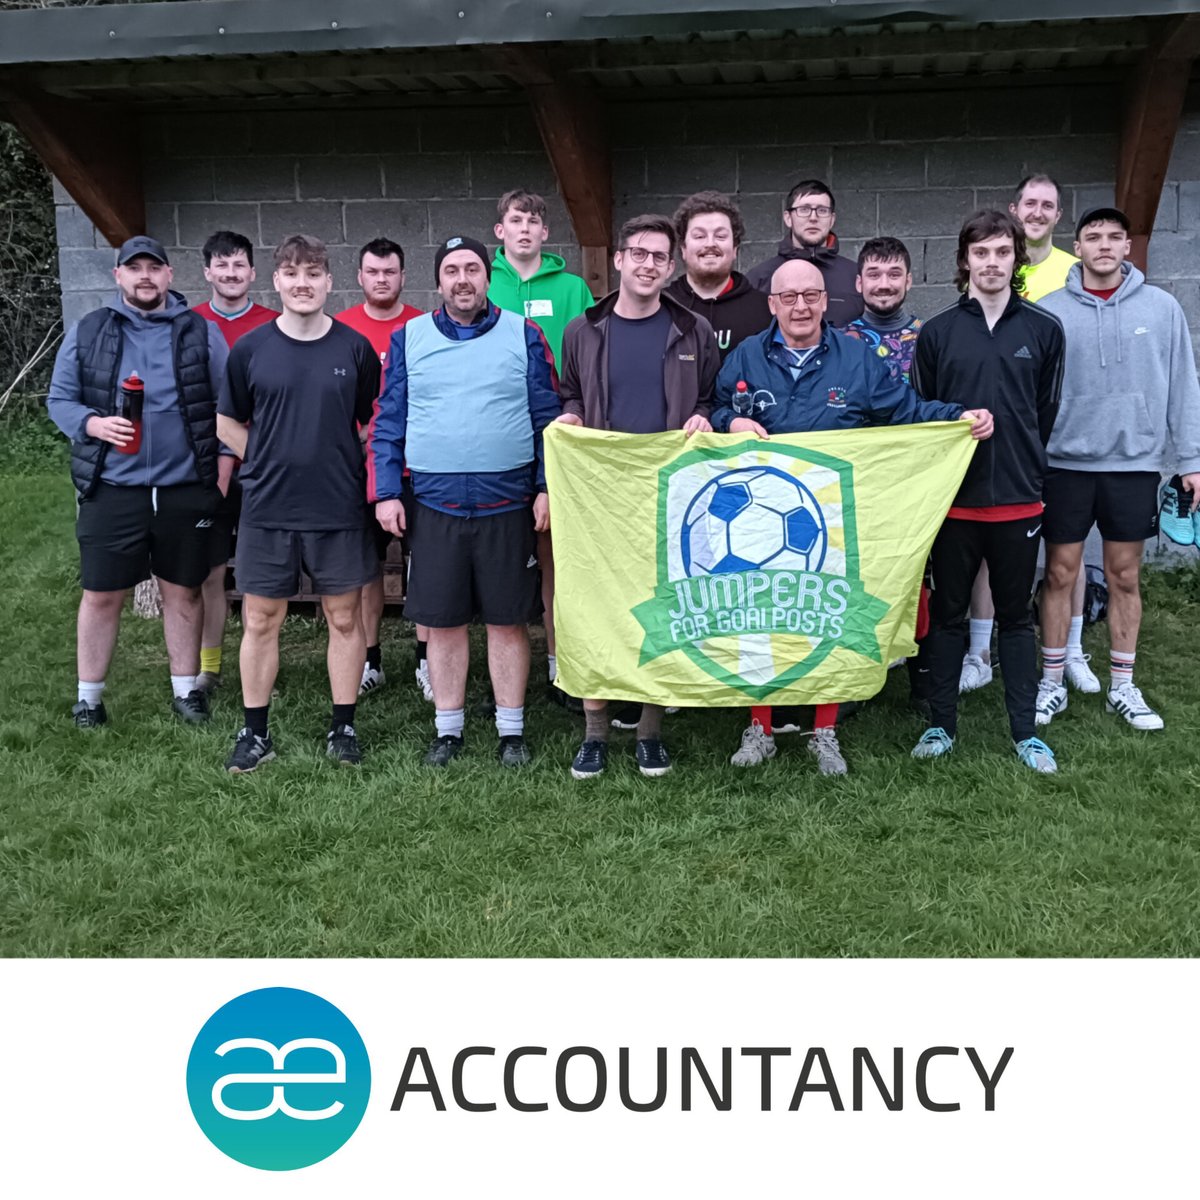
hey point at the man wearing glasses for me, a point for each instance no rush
(801, 376)
(809, 214)
(637, 362)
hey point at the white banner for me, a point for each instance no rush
(599, 1079)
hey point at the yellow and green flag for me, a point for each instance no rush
(724, 570)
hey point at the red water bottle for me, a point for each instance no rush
(130, 396)
(741, 398)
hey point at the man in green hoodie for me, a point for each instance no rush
(534, 284)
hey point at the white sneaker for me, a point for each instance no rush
(823, 746)
(975, 673)
(1051, 700)
(373, 678)
(756, 748)
(1080, 676)
(1127, 700)
(422, 674)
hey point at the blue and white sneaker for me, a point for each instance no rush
(1174, 516)
(1036, 755)
(1127, 701)
(934, 743)
(1051, 700)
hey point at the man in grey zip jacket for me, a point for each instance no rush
(147, 493)
(1130, 410)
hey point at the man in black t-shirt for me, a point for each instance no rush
(295, 392)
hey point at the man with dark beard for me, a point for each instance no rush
(710, 230)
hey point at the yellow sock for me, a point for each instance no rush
(210, 659)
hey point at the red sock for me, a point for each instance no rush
(762, 714)
(826, 716)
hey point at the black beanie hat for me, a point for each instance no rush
(460, 243)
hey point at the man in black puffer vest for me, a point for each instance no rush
(147, 491)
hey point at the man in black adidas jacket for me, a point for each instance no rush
(991, 350)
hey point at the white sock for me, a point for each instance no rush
(1075, 638)
(449, 721)
(510, 722)
(981, 638)
(90, 693)
(181, 685)
(552, 667)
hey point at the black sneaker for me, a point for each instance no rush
(248, 751)
(512, 751)
(87, 716)
(192, 708)
(590, 760)
(341, 744)
(652, 757)
(627, 716)
(442, 750)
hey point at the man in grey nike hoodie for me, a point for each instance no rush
(1130, 411)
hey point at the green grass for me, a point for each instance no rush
(133, 841)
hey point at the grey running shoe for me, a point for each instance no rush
(934, 743)
(823, 746)
(208, 682)
(442, 750)
(756, 748)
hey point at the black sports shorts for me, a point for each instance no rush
(467, 567)
(269, 561)
(127, 534)
(1124, 504)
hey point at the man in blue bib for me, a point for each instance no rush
(469, 390)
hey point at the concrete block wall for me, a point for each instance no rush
(909, 164)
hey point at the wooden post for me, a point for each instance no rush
(92, 150)
(571, 122)
(1153, 109)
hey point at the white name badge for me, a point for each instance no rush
(539, 308)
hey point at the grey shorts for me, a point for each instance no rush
(268, 562)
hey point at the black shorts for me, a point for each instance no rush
(127, 534)
(224, 527)
(269, 561)
(466, 567)
(1124, 504)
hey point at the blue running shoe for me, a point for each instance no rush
(1174, 515)
(1036, 755)
(933, 744)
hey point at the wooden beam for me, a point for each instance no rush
(1154, 105)
(91, 149)
(570, 120)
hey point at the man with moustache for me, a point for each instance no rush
(637, 362)
(886, 325)
(710, 230)
(382, 312)
(295, 392)
(229, 271)
(1130, 412)
(995, 348)
(469, 390)
(809, 213)
(147, 494)
(817, 379)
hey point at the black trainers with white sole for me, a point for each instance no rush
(652, 757)
(590, 760)
(341, 744)
(249, 752)
(89, 716)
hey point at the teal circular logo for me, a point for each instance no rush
(278, 1079)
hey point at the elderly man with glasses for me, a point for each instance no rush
(798, 376)
(809, 214)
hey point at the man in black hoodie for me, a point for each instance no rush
(809, 214)
(710, 230)
(998, 351)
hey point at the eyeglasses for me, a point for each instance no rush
(811, 210)
(639, 254)
(789, 299)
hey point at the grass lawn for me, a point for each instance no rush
(133, 841)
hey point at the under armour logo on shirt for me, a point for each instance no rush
(339, 370)
(1023, 353)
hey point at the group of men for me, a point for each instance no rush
(1079, 402)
